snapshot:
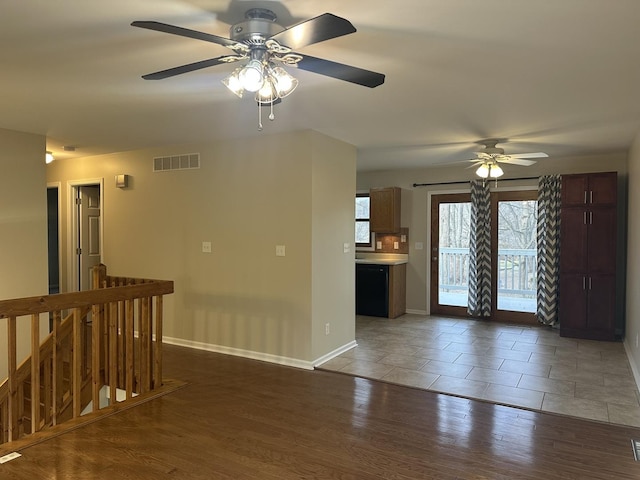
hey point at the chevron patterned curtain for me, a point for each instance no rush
(479, 303)
(548, 249)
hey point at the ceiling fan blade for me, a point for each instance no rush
(170, 72)
(517, 161)
(184, 32)
(314, 30)
(340, 71)
(530, 155)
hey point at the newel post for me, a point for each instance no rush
(98, 276)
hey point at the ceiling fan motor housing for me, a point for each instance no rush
(259, 25)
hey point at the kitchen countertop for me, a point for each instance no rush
(382, 258)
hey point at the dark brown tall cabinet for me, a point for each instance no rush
(588, 256)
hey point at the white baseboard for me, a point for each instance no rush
(264, 357)
(416, 312)
(634, 368)
(335, 353)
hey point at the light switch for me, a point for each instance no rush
(419, 246)
(346, 248)
(378, 245)
(206, 247)
(396, 245)
(280, 251)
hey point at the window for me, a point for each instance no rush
(363, 234)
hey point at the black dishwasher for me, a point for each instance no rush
(372, 290)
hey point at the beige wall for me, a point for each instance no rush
(633, 264)
(248, 196)
(415, 202)
(23, 224)
(333, 289)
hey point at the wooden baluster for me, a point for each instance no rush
(13, 381)
(129, 337)
(157, 371)
(76, 374)
(47, 389)
(35, 373)
(144, 338)
(96, 384)
(58, 369)
(113, 351)
(121, 345)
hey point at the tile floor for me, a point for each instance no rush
(524, 366)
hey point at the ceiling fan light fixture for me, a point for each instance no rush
(48, 157)
(232, 82)
(283, 81)
(251, 76)
(267, 93)
(483, 171)
(495, 171)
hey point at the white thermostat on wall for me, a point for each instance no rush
(122, 181)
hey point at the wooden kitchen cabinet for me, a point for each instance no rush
(397, 290)
(588, 256)
(384, 216)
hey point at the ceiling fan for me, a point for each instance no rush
(488, 159)
(266, 47)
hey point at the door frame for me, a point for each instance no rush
(73, 225)
(58, 187)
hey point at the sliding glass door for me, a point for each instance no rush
(513, 240)
(514, 255)
(450, 221)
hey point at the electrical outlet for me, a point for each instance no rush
(327, 328)
(280, 251)
(206, 247)
(396, 245)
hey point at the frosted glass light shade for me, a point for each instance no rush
(232, 82)
(483, 171)
(251, 76)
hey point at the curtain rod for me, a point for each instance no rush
(458, 183)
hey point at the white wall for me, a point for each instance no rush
(248, 196)
(633, 263)
(415, 202)
(23, 227)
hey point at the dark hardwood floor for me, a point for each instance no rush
(242, 419)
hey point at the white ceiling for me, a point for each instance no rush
(559, 76)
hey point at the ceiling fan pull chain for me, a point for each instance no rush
(259, 118)
(271, 115)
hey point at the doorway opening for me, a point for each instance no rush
(86, 232)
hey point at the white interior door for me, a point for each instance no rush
(89, 250)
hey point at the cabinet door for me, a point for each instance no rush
(598, 189)
(601, 306)
(601, 249)
(385, 210)
(574, 190)
(603, 188)
(573, 303)
(573, 240)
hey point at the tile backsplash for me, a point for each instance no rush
(387, 240)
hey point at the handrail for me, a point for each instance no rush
(110, 337)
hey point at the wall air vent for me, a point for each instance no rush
(176, 162)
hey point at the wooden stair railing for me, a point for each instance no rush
(108, 336)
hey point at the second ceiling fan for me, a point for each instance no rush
(491, 156)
